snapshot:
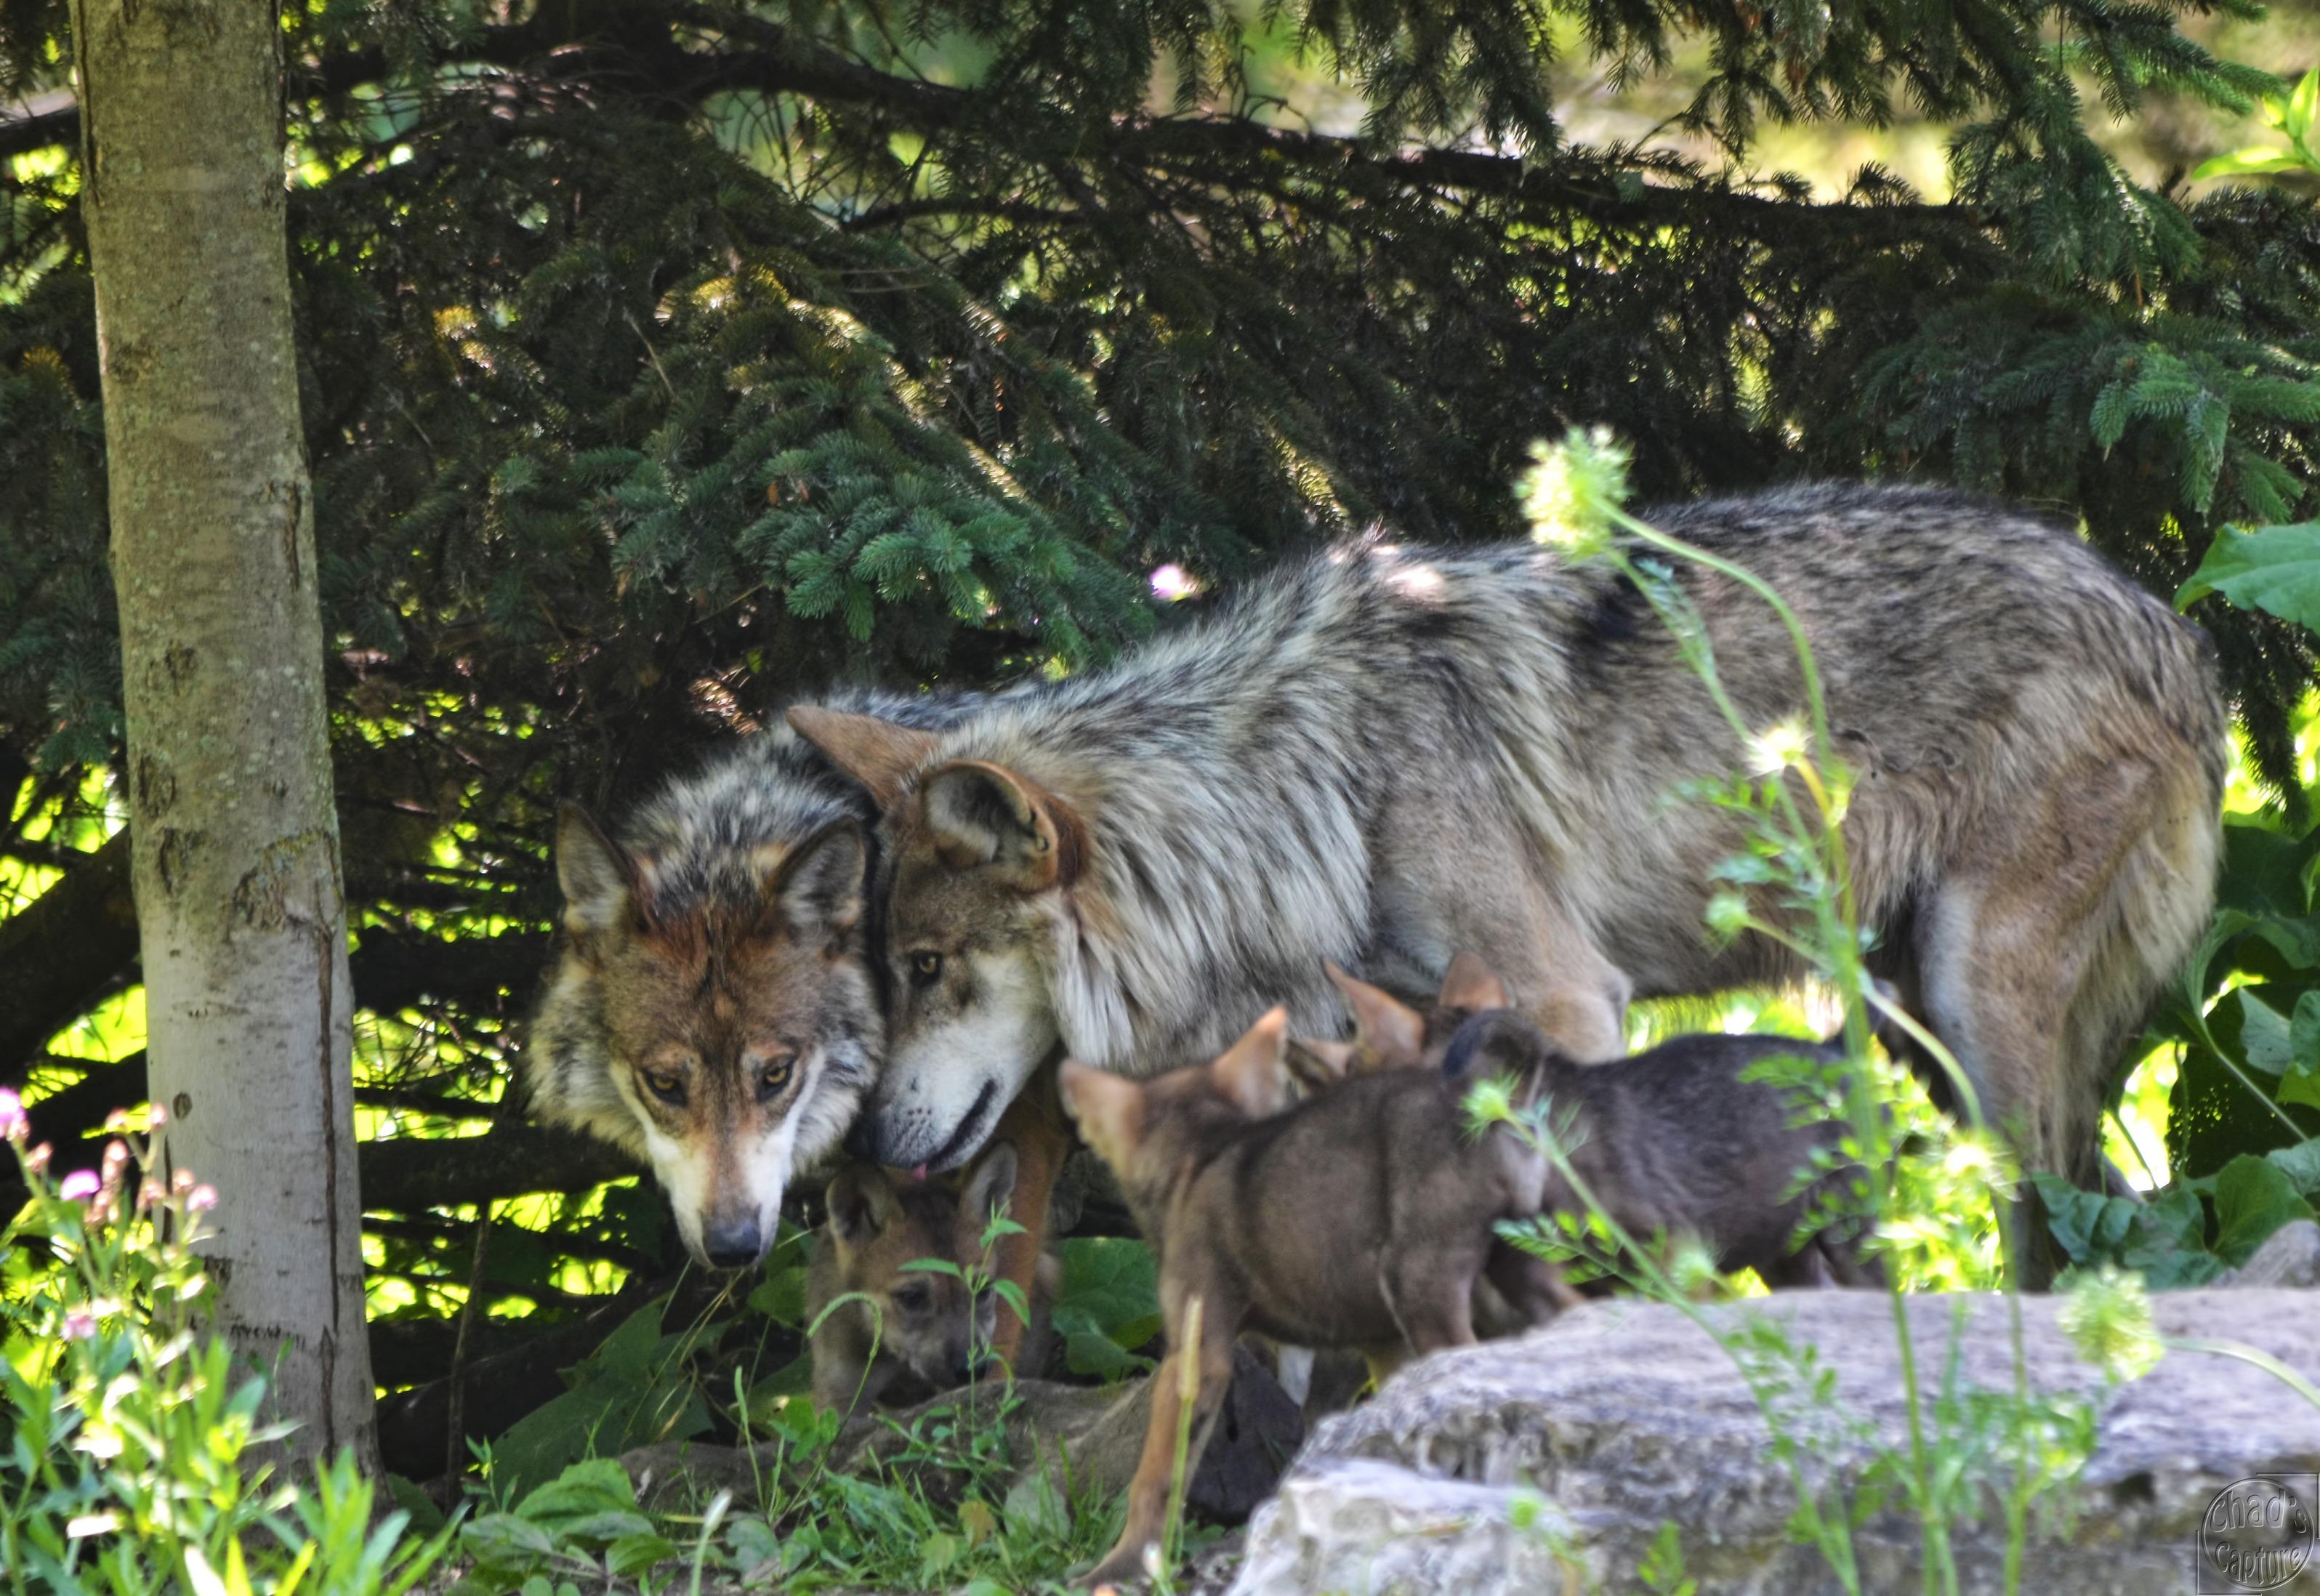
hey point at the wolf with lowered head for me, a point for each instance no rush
(711, 1007)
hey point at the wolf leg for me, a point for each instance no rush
(1148, 1492)
(1533, 1286)
(1034, 1126)
(2041, 950)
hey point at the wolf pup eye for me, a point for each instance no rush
(669, 1088)
(774, 1073)
(913, 1298)
(925, 968)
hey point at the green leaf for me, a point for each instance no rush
(2256, 160)
(1109, 1283)
(2300, 1163)
(2272, 568)
(781, 1296)
(2254, 1198)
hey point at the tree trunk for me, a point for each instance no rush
(235, 860)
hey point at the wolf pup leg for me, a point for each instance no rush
(1155, 1468)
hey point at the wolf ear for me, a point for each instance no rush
(984, 816)
(990, 1188)
(861, 1202)
(879, 754)
(817, 886)
(1470, 984)
(602, 884)
(1252, 1072)
(1317, 1064)
(1388, 1031)
(1109, 1110)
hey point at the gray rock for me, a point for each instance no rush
(2289, 1258)
(1554, 1461)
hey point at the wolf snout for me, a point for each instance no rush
(735, 1243)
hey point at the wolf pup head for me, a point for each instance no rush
(977, 866)
(1388, 1034)
(711, 1011)
(929, 1320)
(1148, 1131)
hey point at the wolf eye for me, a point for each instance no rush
(913, 1298)
(669, 1088)
(925, 968)
(775, 1073)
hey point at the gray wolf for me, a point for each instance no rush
(1360, 1218)
(1384, 755)
(712, 1007)
(931, 1333)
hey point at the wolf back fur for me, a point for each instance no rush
(1384, 755)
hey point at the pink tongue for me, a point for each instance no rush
(919, 1173)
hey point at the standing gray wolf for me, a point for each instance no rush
(1385, 755)
(712, 1008)
(1362, 1217)
(930, 1332)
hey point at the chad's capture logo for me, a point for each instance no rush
(2257, 1534)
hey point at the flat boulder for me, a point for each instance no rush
(1560, 1460)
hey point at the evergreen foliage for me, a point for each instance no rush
(666, 359)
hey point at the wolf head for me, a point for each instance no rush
(929, 1319)
(977, 868)
(711, 1011)
(1151, 1132)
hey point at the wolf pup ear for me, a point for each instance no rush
(1470, 984)
(879, 754)
(1109, 1110)
(602, 884)
(1388, 1033)
(987, 1190)
(984, 816)
(1317, 1064)
(861, 1202)
(817, 886)
(1252, 1072)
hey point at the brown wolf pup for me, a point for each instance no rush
(1413, 752)
(929, 1335)
(1360, 1217)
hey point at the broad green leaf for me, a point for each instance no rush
(1108, 1281)
(2272, 568)
(2254, 1198)
(2256, 160)
(2303, 105)
(2300, 1163)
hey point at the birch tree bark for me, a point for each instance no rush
(235, 857)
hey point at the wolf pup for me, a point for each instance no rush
(1672, 1142)
(1360, 1217)
(930, 1335)
(1384, 755)
(712, 1008)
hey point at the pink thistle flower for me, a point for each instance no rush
(201, 1199)
(79, 1186)
(182, 1181)
(14, 1125)
(117, 1121)
(79, 1325)
(155, 1116)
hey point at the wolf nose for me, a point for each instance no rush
(732, 1244)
